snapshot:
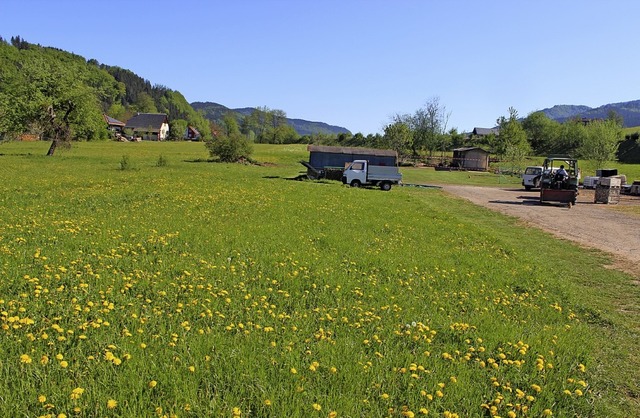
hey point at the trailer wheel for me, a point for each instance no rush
(355, 183)
(385, 185)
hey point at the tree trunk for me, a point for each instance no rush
(52, 148)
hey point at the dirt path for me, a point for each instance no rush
(589, 224)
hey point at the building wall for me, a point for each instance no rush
(164, 132)
(476, 159)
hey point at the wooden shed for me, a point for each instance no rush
(471, 158)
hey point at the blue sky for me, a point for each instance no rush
(355, 63)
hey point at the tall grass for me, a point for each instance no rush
(207, 289)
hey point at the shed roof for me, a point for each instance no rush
(352, 150)
(465, 149)
(147, 120)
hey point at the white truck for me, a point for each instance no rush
(531, 177)
(361, 173)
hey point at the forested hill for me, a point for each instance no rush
(40, 84)
(629, 111)
(214, 112)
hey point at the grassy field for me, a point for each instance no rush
(180, 287)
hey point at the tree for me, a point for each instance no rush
(429, 126)
(542, 132)
(398, 137)
(511, 141)
(177, 129)
(228, 143)
(601, 141)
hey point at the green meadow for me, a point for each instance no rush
(142, 280)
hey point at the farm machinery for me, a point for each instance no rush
(559, 180)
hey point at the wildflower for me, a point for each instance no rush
(536, 388)
(293, 370)
(267, 402)
(112, 403)
(582, 367)
(547, 413)
(153, 384)
(317, 407)
(25, 359)
(385, 396)
(236, 412)
(76, 393)
(44, 359)
(332, 414)
(424, 411)
(42, 399)
(64, 364)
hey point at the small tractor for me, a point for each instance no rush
(559, 180)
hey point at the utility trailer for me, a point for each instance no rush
(361, 173)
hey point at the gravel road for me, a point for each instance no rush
(587, 223)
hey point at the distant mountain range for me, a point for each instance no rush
(629, 111)
(215, 111)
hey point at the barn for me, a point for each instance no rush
(471, 158)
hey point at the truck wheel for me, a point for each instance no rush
(527, 188)
(385, 185)
(355, 183)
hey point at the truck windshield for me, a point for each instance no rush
(357, 166)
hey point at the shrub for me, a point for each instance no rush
(229, 148)
(162, 161)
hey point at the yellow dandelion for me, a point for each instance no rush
(44, 359)
(236, 412)
(42, 399)
(76, 393)
(25, 359)
(112, 403)
(332, 414)
(153, 384)
(547, 413)
(317, 406)
(424, 411)
(293, 370)
(64, 364)
(267, 402)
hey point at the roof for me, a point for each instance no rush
(111, 121)
(352, 150)
(147, 120)
(465, 149)
(486, 131)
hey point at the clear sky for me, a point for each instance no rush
(355, 63)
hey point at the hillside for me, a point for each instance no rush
(215, 111)
(629, 111)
